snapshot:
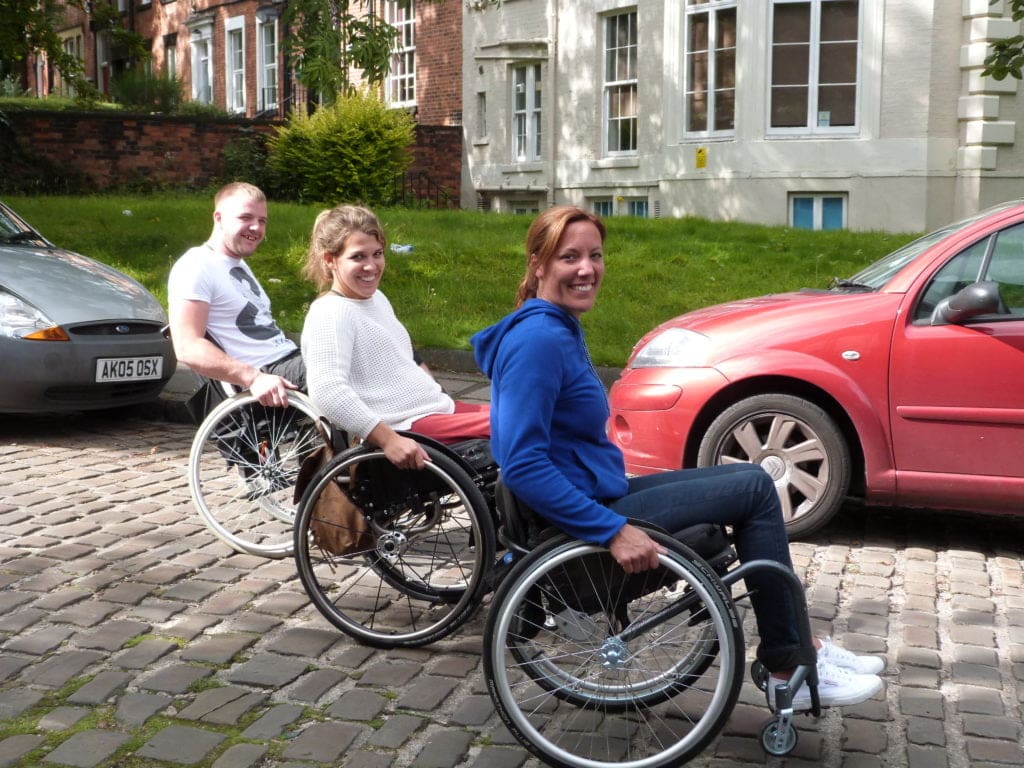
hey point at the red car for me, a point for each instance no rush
(903, 385)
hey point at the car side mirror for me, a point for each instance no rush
(980, 298)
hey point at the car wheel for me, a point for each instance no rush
(796, 443)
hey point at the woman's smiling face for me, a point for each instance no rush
(359, 267)
(572, 277)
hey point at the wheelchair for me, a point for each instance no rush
(585, 665)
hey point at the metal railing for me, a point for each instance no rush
(416, 189)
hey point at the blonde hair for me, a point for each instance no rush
(542, 243)
(330, 231)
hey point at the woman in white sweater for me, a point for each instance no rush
(360, 368)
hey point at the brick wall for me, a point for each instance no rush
(115, 150)
(439, 63)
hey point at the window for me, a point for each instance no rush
(817, 211)
(170, 56)
(636, 206)
(266, 37)
(401, 82)
(201, 42)
(814, 64)
(526, 105)
(620, 83)
(710, 66)
(235, 64)
(481, 115)
(524, 207)
(71, 43)
(602, 206)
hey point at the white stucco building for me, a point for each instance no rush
(866, 114)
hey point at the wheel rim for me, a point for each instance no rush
(242, 470)
(581, 715)
(419, 578)
(789, 450)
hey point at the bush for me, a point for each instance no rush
(137, 89)
(349, 152)
(245, 159)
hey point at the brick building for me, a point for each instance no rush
(229, 53)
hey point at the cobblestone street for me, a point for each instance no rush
(130, 636)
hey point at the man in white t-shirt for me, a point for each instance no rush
(221, 323)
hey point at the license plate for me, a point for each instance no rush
(129, 368)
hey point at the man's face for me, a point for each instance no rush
(240, 224)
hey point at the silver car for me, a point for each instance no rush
(74, 334)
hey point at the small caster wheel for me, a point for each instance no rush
(759, 674)
(777, 739)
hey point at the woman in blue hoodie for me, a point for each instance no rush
(548, 417)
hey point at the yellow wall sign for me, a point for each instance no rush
(701, 158)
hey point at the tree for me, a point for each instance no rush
(1007, 56)
(326, 40)
(31, 27)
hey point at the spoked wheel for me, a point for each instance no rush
(420, 571)
(242, 469)
(589, 666)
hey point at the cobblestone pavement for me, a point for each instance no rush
(129, 636)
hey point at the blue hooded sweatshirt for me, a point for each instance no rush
(548, 417)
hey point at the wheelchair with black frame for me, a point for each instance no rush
(587, 666)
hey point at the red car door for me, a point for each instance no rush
(957, 391)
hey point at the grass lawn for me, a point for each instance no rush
(464, 267)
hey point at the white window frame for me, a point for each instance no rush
(234, 64)
(71, 43)
(527, 128)
(400, 87)
(817, 199)
(170, 56)
(620, 82)
(712, 82)
(267, 81)
(602, 206)
(201, 43)
(812, 120)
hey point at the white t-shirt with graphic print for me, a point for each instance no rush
(240, 320)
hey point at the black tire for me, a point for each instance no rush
(623, 680)
(797, 443)
(424, 570)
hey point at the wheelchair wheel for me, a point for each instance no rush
(589, 666)
(420, 571)
(242, 470)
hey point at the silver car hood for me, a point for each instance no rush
(70, 288)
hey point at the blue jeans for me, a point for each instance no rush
(741, 496)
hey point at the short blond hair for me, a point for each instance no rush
(241, 188)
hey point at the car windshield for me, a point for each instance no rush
(13, 230)
(873, 277)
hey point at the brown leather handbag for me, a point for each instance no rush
(337, 526)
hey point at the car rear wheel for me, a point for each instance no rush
(797, 443)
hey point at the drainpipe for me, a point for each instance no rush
(553, 76)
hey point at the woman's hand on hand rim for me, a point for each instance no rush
(634, 550)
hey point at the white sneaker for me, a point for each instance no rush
(862, 665)
(837, 687)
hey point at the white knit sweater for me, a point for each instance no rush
(360, 369)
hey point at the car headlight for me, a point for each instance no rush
(20, 320)
(673, 348)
